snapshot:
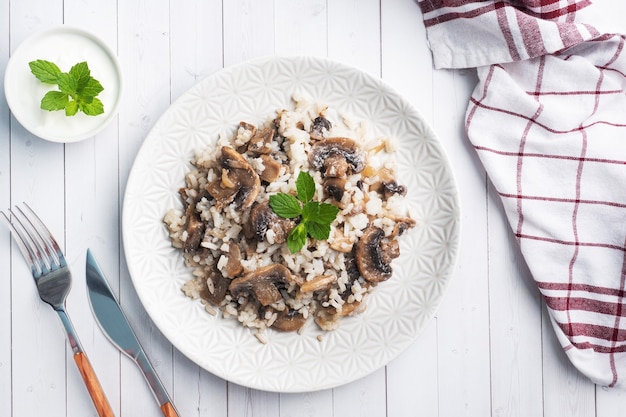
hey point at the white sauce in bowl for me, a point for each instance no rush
(65, 46)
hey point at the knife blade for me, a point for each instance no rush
(117, 329)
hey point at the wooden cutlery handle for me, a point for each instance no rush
(93, 385)
(168, 410)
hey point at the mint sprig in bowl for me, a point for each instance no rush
(63, 84)
(77, 89)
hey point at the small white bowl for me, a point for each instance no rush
(65, 46)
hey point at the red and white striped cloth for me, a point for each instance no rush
(548, 121)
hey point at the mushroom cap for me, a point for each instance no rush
(319, 127)
(333, 148)
(374, 253)
(289, 320)
(261, 141)
(320, 282)
(335, 187)
(233, 266)
(262, 219)
(242, 184)
(195, 228)
(264, 283)
(272, 168)
(220, 287)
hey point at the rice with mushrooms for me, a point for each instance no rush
(235, 243)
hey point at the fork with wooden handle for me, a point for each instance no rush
(54, 280)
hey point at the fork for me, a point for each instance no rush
(54, 280)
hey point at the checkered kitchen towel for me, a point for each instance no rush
(548, 121)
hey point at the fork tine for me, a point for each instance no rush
(50, 245)
(25, 245)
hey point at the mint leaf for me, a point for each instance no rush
(319, 231)
(92, 88)
(54, 100)
(296, 238)
(93, 108)
(305, 186)
(327, 213)
(285, 205)
(81, 73)
(45, 71)
(310, 211)
(316, 217)
(67, 83)
(78, 89)
(71, 108)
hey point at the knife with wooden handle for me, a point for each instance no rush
(115, 326)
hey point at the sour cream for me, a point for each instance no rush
(65, 46)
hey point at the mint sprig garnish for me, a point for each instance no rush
(315, 217)
(77, 88)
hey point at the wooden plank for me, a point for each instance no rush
(463, 319)
(248, 30)
(610, 402)
(310, 404)
(196, 391)
(196, 42)
(248, 402)
(365, 397)
(39, 365)
(6, 319)
(515, 320)
(412, 378)
(92, 199)
(301, 27)
(566, 391)
(144, 27)
(402, 24)
(354, 33)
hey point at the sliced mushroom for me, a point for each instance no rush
(222, 194)
(248, 126)
(261, 141)
(388, 185)
(233, 266)
(374, 253)
(320, 127)
(219, 285)
(349, 308)
(263, 219)
(334, 187)
(336, 157)
(402, 225)
(327, 318)
(265, 283)
(271, 172)
(238, 182)
(320, 282)
(391, 188)
(194, 228)
(289, 320)
(336, 166)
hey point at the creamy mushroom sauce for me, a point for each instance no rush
(236, 244)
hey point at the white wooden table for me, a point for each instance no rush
(490, 350)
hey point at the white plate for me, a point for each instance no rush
(398, 309)
(65, 46)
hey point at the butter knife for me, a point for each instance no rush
(115, 326)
